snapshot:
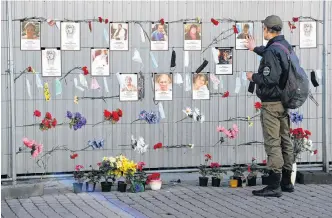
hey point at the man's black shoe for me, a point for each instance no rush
(273, 189)
(286, 184)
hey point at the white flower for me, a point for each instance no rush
(310, 143)
(141, 146)
(112, 159)
(202, 118)
(191, 146)
(188, 111)
(196, 110)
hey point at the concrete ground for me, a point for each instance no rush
(185, 199)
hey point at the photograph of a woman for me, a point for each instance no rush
(128, 87)
(30, 35)
(245, 30)
(100, 62)
(225, 66)
(200, 86)
(163, 87)
(70, 36)
(51, 62)
(119, 34)
(192, 37)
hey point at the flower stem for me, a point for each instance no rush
(135, 121)
(181, 120)
(99, 123)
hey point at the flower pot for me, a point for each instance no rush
(106, 186)
(240, 182)
(90, 187)
(155, 184)
(293, 175)
(265, 179)
(233, 183)
(252, 181)
(122, 186)
(77, 187)
(203, 181)
(137, 187)
(216, 182)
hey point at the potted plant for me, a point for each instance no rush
(154, 181)
(106, 170)
(79, 177)
(93, 178)
(125, 169)
(253, 171)
(203, 179)
(238, 175)
(216, 173)
(138, 181)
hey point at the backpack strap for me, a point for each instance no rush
(282, 48)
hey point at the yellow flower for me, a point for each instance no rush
(75, 99)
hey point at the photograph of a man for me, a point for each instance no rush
(159, 32)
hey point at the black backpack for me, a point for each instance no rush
(295, 84)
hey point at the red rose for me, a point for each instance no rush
(100, 19)
(307, 132)
(37, 113)
(119, 112)
(226, 94)
(214, 21)
(315, 151)
(264, 161)
(48, 115)
(107, 114)
(85, 70)
(258, 105)
(45, 123)
(295, 19)
(235, 29)
(115, 116)
(99, 164)
(54, 122)
(29, 69)
(208, 156)
(162, 21)
(106, 21)
(157, 146)
(73, 156)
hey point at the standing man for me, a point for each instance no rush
(274, 117)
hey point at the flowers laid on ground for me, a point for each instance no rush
(149, 117)
(296, 117)
(230, 133)
(77, 121)
(301, 142)
(258, 106)
(139, 144)
(35, 147)
(195, 114)
(48, 122)
(124, 167)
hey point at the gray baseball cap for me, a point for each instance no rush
(273, 22)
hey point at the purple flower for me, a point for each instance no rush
(75, 127)
(142, 115)
(78, 115)
(83, 120)
(69, 115)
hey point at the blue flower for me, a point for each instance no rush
(152, 118)
(78, 115)
(83, 120)
(75, 127)
(295, 117)
(69, 115)
(142, 115)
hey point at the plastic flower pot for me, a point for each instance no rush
(203, 181)
(106, 186)
(233, 183)
(252, 181)
(137, 187)
(155, 184)
(77, 187)
(216, 182)
(239, 181)
(90, 187)
(122, 186)
(265, 179)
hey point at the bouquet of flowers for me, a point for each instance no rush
(124, 167)
(77, 121)
(301, 142)
(113, 116)
(149, 117)
(48, 122)
(195, 114)
(107, 167)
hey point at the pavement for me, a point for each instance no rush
(185, 199)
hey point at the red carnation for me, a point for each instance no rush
(90, 26)
(73, 156)
(45, 122)
(100, 19)
(54, 122)
(140, 165)
(295, 19)
(37, 113)
(264, 161)
(48, 115)
(214, 21)
(157, 146)
(162, 21)
(119, 112)
(106, 21)
(307, 132)
(225, 95)
(215, 165)
(115, 116)
(99, 164)
(29, 69)
(235, 29)
(208, 156)
(258, 105)
(107, 114)
(85, 70)
(249, 169)
(315, 151)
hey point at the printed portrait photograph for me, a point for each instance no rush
(129, 87)
(192, 36)
(70, 36)
(159, 37)
(51, 62)
(163, 84)
(245, 30)
(225, 61)
(308, 34)
(119, 35)
(99, 62)
(30, 35)
(200, 86)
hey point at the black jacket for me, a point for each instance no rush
(273, 67)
